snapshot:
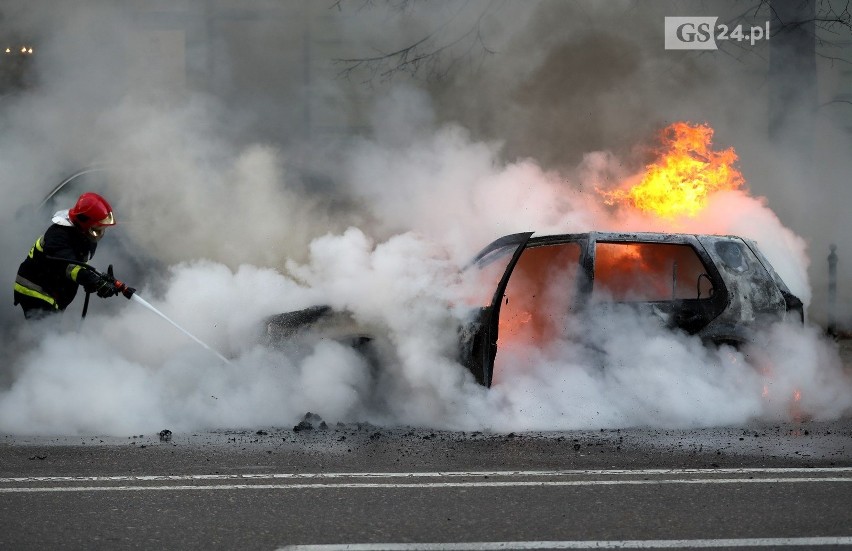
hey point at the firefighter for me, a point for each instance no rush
(48, 278)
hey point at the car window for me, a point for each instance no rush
(482, 277)
(649, 272)
(732, 255)
(539, 294)
(480, 284)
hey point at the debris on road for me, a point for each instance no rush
(309, 422)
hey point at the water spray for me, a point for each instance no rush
(134, 297)
(131, 295)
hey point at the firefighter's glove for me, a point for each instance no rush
(106, 288)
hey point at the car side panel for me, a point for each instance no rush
(755, 299)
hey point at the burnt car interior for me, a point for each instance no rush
(549, 283)
(669, 280)
(542, 289)
(546, 283)
(650, 272)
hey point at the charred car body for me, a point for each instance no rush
(719, 288)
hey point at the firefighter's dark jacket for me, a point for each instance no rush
(46, 275)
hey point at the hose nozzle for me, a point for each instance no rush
(122, 287)
(125, 289)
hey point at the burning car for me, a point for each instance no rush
(721, 289)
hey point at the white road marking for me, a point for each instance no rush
(592, 544)
(425, 485)
(436, 474)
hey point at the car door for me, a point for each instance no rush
(488, 274)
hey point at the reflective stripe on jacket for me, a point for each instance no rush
(30, 289)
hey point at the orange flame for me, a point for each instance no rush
(685, 174)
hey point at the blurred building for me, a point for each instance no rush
(276, 57)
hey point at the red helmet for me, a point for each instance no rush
(92, 214)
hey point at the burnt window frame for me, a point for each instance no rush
(710, 306)
(654, 297)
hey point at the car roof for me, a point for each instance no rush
(625, 236)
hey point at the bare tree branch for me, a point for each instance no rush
(433, 56)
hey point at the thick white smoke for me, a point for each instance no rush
(230, 233)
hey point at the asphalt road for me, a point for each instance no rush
(362, 487)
